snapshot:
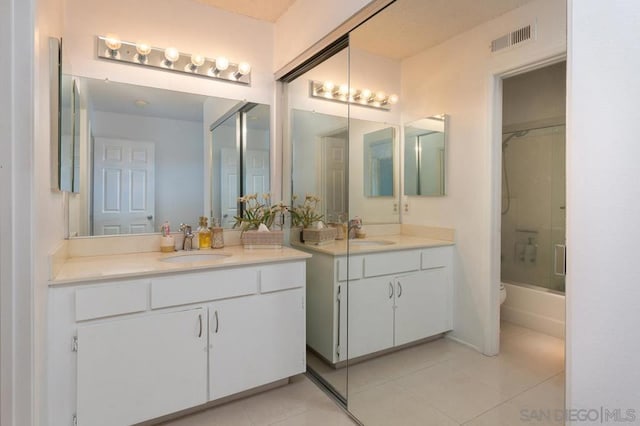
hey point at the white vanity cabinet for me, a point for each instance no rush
(128, 351)
(394, 297)
(134, 369)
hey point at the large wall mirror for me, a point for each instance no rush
(145, 156)
(425, 148)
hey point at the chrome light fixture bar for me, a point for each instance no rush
(170, 59)
(328, 91)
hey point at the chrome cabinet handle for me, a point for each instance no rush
(200, 323)
(215, 314)
(399, 289)
(390, 289)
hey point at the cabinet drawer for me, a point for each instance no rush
(436, 257)
(354, 268)
(111, 299)
(391, 263)
(203, 286)
(282, 277)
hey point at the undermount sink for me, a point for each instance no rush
(194, 257)
(370, 242)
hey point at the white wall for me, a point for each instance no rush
(48, 206)
(30, 214)
(603, 207)
(179, 162)
(186, 25)
(306, 22)
(462, 87)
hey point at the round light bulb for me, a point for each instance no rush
(222, 63)
(393, 99)
(197, 60)
(353, 91)
(365, 94)
(244, 68)
(344, 89)
(380, 96)
(112, 41)
(143, 48)
(171, 54)
(328, 86)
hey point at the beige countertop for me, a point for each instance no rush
(135, 265)
(398, 242)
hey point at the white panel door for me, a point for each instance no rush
(229, 188)
(124, 187)
(422, 305)
(255, 340)
(131, 370)
(334, 170)
(370, 315)
(256, 171)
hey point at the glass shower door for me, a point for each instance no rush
(533, 219)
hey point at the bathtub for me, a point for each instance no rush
(534, 307)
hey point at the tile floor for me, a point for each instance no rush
(437, 383)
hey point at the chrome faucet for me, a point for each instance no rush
(187, 243)
(354, 224)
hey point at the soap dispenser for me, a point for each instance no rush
(217, 234)
(204, 233)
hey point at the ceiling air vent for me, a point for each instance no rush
(513, 38)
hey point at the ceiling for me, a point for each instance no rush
(407, 27)
(403, 29)
(264, 10)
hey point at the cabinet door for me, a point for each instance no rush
(255, 340)
(136, 369)
(370, 315)
(422, 305)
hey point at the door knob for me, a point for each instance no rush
(149, 217)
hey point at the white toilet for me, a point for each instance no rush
(503, 293)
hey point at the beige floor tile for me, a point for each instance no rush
(535, 351)
(547, 396)
(509, 329)
(503, 415)
(231, 414)
(500, 372)
(326, 414)
(452, 391)
(281, 403)
(387, 405)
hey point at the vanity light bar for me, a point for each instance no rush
(170, 59)
(364, 97)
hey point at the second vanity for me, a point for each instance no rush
(137, 336)
(399, 291)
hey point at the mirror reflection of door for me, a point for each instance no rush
(240, 159)
(124, 187)
(256, 150)
(334, 170)
(229, 170)
(378, 163)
